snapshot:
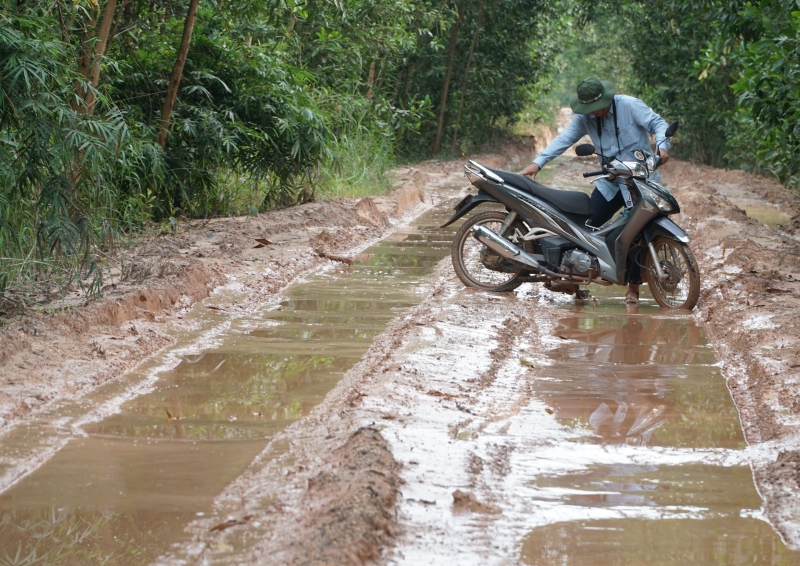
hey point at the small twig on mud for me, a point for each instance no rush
(340, 259)
(230, 523)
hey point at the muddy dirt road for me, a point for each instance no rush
(380, 412)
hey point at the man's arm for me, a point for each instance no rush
(653, 123)
(563, 141)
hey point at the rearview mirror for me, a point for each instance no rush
(585, 149)
(671, 129)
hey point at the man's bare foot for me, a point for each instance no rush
(632, 296)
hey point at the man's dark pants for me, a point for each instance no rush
(603, 211)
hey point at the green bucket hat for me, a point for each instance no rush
(592, 94)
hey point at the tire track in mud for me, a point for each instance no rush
(317, 505)
(447, 371)
(750, 299)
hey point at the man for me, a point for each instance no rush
(616, 124)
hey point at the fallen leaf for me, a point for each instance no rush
(549, 411)
(169, 416)
(264, 241)
(259, 246)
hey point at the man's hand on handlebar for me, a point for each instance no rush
(531, 170)
(664, 156)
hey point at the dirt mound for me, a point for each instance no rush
(350, 508)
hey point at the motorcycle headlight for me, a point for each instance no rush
(662, 204)
(637, 168)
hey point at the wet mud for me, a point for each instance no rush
(127, 464)
(376, 411)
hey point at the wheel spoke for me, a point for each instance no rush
(476, 255)
(676, 287)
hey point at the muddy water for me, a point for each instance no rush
(121, 489)
(771, 216)
(642, 383)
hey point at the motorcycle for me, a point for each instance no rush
(544, 235)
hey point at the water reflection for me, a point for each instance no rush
(632, 542)
(640, 380)
(637, 379)
(27, 538)
(124, 493)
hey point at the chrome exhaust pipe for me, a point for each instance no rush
(504, 247)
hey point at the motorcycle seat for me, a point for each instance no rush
(570, 202)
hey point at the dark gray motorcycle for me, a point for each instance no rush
(543, 235)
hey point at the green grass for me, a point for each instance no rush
(359, 166)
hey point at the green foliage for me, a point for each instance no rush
(279, 101)
(767, 117)
(728, 69)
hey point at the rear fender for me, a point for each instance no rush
(468, 203)
(664, 227)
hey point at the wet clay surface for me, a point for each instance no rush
(158, 459)
(476, 428)
(68, 347)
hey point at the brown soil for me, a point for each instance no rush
(750, 293)
(327, 492)
(749, 304)
(68, 348)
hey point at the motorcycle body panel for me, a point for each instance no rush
(665, 227)
(467, 204)
(538, 213)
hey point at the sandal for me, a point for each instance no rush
(630, 299)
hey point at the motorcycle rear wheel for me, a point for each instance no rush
(469, 255)
(681, 288)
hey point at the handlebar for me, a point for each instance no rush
(593, 173)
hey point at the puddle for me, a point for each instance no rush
(676, 541)
(768, 215)
(641, 385)
(122, 489)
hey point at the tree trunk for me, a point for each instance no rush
(87, 38)
(371, 79)
(177, 73)
(451, 52)
(466, 76)
(93, 73)
(410, 76)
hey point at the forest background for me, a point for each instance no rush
(123, 115)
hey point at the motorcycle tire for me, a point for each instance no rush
(681, 287)
(469, 255)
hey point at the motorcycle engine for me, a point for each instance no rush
(576, 261)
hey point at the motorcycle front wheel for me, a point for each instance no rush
(477, 265)
(680, 288)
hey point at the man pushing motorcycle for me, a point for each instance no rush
(616, 124)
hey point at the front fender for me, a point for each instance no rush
(468, 203)
(663, 226)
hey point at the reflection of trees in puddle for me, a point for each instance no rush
(81, 538)
(327, 332)
(623, 542)
(642, 381)
(224, 396)
(343, 305)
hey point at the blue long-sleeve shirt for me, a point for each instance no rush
(635, 122)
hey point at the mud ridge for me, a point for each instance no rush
(334, 532)
(750, 297)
